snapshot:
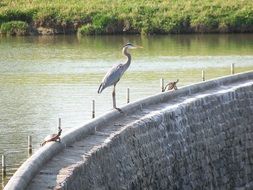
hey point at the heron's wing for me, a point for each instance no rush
(113, 75)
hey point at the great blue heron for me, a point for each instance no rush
(113, 76)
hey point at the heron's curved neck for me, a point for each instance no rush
(125, 53)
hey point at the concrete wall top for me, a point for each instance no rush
(31, 166)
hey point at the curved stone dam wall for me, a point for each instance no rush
(198, 137)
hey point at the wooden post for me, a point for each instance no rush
(232, 68)
(162, 84)
(128, 95)
(3, 166)
(203, 75)
(93, 108)
(29, 145)
(3, 181)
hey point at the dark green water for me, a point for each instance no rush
(46, 77)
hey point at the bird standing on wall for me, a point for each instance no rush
(171, 85)
(113, 76)
(53, 137)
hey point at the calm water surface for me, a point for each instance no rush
(44, 78)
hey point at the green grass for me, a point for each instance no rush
(14, 28)
(132, 16)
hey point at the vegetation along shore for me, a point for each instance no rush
(92, 17)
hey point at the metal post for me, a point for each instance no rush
(59, 122)
(203, 75)
(93, 108)
(128, 95)
(29, 145)
(3, 166)
(162, 84)
(232, 68)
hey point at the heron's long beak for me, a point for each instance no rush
(135, 47)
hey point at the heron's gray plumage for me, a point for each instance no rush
(116, 72)
(113, 76)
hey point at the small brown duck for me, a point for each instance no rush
(171, 86)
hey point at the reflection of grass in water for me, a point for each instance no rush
(185, 76)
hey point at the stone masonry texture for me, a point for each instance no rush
(197, 137)
(207, 143)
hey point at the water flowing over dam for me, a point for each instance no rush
(198, 137)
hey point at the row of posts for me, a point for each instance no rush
(162, 88)
(4, 157)
(93, 115)
(29, 139)
(232, 71)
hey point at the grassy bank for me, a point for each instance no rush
(125, 16)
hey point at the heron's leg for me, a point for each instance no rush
(113, 97)
(114, 100)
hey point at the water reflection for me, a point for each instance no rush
(46, 77)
